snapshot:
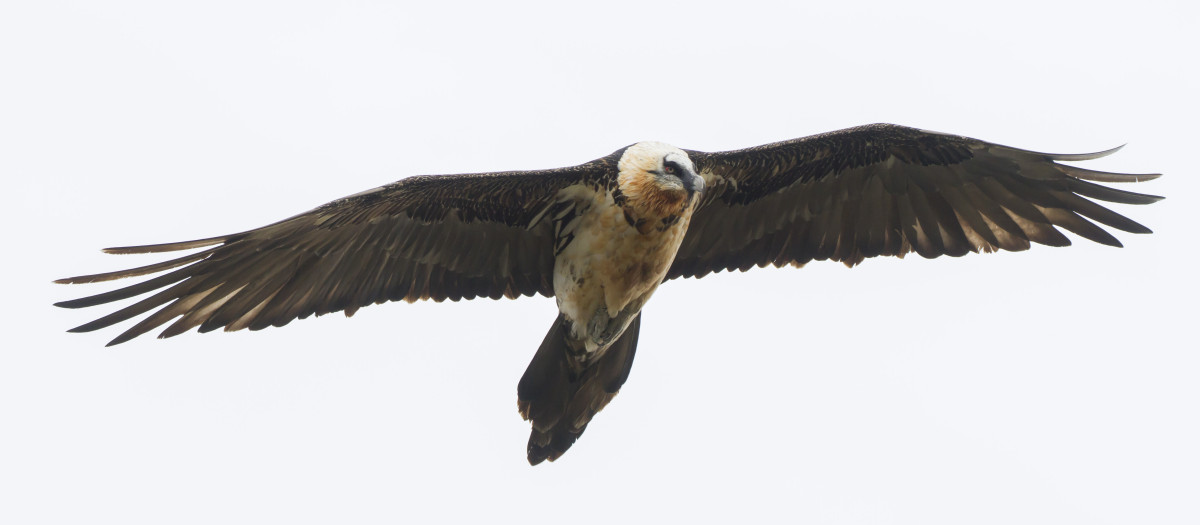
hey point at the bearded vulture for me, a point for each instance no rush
(601, 236)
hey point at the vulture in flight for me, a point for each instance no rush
(601, 236)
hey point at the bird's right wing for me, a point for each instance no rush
(429, 237)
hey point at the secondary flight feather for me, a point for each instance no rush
(601, 236)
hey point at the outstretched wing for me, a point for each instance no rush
(890, 190)
(429, 237)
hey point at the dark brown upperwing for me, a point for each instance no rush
(428, 237)
(884, 189)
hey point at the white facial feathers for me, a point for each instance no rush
(653, 167)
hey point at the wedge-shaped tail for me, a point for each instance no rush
(559, 400)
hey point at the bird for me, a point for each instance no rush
(600, 237)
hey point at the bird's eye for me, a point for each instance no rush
(669, 169)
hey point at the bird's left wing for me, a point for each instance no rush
(428, 237)
(890, 190)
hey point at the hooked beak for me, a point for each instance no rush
(693, 183)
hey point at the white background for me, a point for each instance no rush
(1051, 386)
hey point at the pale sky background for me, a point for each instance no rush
(1049, 386)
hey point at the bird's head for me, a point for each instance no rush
(658, 179)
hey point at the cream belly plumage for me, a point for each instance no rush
(605, 276)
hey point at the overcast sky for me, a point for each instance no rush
(1057, 385)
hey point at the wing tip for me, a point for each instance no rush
(71, 304)
(122, 250)
(1079, 156)
(1105, 176)
(85, 328)
(167, 247)
(1067, 157)
(1152, 198)
(125, 336)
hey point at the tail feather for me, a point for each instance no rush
(560, 401)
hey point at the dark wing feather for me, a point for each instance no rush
(429, 237)
(890, 190)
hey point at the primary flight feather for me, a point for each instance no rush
(601, 236)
